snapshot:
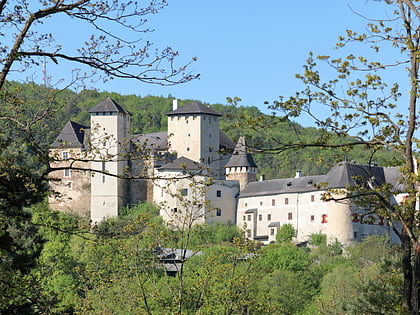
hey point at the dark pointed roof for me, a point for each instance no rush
(182, 163)
(108, 105)
(240, 157)
(72, 136)
(194, 108)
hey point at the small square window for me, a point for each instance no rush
(260, 217)
(184, 192)
(312, 218)
(218, 193)
(218, 212)
(268, 217)
(65, 155)
(246, 204)
(175, 210)
(290, 216)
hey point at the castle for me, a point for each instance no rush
(196, 174)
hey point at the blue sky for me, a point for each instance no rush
(248, 49)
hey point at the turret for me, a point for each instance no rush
(241, 166)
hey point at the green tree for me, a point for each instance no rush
(285, 233)
(363, 110)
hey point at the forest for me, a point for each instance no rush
(148, 115)
(116, 268)
(58, 264)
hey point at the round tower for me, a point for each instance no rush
(241, 166)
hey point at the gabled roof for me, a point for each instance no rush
(108, 105)
(194, 108)
(340, 176)
(183, 163)
(240, 157)
(154, 141)
(159, 140)
(72, 136)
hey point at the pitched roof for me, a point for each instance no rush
(159, 140)
(240, 156)
(72, 136)
(155, 140)
(340, 176)
(194, 108)
(182, 163)
(108, 105)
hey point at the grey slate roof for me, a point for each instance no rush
(182, 163)
(159, 140)
(194, 108)
(72, 136)
(240, 156)
(155, 140)
(340, 176)
(108, 105)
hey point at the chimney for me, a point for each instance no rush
(262, 177)
(174, 104)
(298, 174)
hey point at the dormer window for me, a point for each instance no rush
(65, 155)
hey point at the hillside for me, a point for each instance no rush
(148, 115)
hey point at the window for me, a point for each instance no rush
(249, 217)
(218, 193)
(354, 234)
(324, 218)
(184, 192)
(248, 233)
(261, 203)
(260, 217)
(273, 202)
(175, 210)
(268, 217)
(246, 204)
(103, 178)
(103, 167)
(188, 149)
(312, 218)
(286, 201)
(271, 231)
(67, 172)
(244, 218)
(65, 155)
(69, 184)
(290, 216)
(218, 212)
(312, 198)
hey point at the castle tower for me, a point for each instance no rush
(110, 124)
(241, 166)
(193, 132)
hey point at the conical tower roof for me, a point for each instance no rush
(240, 156)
